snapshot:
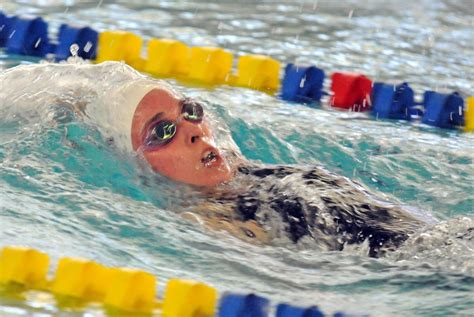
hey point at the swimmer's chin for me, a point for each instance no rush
(215, 174)
(210, 180)
(203, 175)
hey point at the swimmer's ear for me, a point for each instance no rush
(155, 101)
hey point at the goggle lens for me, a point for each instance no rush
(191, 110)
(161, 133)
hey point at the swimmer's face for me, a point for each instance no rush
(190, 156)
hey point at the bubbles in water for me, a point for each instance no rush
(74, 49)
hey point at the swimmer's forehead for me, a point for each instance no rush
(158, 100)
(155, 104)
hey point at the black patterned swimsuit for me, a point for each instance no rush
(312, 206)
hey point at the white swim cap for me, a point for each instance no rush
(116, 108)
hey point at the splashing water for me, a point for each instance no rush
(84, 189)
(66, 189)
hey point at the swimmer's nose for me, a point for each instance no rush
(195, 138)
(194, 133)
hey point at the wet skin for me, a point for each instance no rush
(184, 158)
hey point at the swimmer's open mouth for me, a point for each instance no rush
(209, 157)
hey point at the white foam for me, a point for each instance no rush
(106, 93)
(448, 245)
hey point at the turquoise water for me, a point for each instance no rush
(65, 191)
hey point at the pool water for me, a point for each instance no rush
(65, 191)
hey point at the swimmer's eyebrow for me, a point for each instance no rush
(153, 119)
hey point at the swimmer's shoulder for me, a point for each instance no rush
(223, 217)
(315, 175)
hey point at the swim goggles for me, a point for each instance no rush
(161, 132)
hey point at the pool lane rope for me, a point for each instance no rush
(126, 289)
(132, 290)
(214, 66)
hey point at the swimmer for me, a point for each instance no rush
(304, 206)
(313, 205)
